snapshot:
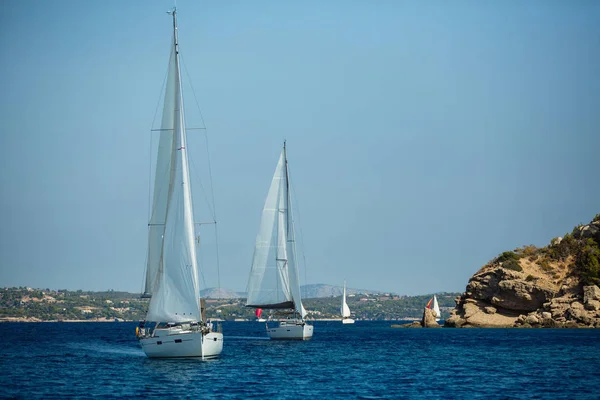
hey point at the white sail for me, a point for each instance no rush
(345, 310)
(274, 282)
(436, 308)
(156, 225)
(175, 290)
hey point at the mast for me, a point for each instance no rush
(179, 134)
(287, 196)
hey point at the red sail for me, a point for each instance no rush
(429, 304)
(258, 312)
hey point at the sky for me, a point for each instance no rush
(424, 138)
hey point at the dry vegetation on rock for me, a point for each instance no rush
(552, 286)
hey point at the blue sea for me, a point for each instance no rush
(368, 360)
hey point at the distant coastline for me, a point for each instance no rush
(43, 305)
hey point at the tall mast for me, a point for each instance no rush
(173, 12)
(287, 196)
(180, 146)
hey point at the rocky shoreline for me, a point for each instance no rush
(548, 287)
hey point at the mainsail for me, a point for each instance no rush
(345, 309)
(436, 308)
(274, 282)
(173, 280)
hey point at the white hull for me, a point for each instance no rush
(347, 321)
(290, 331)
(183, 344)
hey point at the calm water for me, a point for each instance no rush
(369, 360)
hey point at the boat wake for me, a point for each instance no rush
(247, 338)
(91, 349)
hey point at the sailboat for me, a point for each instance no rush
(345, 310)
(259, 317)
(435, 306)
(180, 328)
(273, 283)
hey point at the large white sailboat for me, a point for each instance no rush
(345, 310)
(274, 282)
(175, 325)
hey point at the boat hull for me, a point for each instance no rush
(184, 344)
(290, 331)
(347, 321)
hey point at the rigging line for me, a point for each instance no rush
(217, 249)
(210, 178)
(205, 139)
(300, 227)
(170, 129)
(191, 159)
(201, 262)
(142, 289)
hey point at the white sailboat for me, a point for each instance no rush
(274, 282)
(435, 306)
(345, 310)
(175, 310)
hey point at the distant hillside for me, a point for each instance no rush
(220, 293)
(34, 305)
(319, 290)
(312, 291)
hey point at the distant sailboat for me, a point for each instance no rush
(435, 307)
(274, 282)
(258, 314)
(180, 328)
(345, 310)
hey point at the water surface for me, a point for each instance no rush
(367, 360)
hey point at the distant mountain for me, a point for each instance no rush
(312, 291)
(220, 293)
(320, 290)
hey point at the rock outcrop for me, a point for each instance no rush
(428, 321)
(555, 286)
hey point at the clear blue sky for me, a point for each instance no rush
(424, 137)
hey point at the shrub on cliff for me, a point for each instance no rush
(527, 251)
(545, 265)
(508, 255)
(512, 265)
(567, 246)
(588, 263)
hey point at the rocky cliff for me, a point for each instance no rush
(553, 286)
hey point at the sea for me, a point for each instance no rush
(367, 360)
